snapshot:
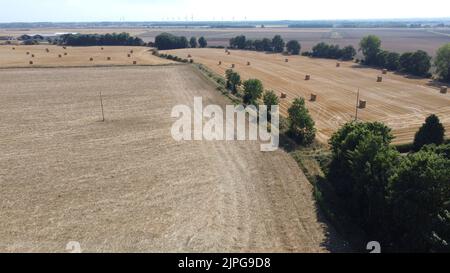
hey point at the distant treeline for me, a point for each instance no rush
(277, 44)
(165, 41)
(416, 63)
(114, 39)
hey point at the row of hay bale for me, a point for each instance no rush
(313, 97)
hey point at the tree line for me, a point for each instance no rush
(276, 44)
(416, 63)
(114, 39)
(165, 41)
(301, 125)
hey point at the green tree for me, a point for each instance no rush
(267, 44)
(442, 62)
(392, 61)
(419, 196)
(293, 47)
(202, 42)
(278, 44)
(193, 42)
(343, 143)
(416, 63)
(302, 126)
(370, 47)
(233, 80)
(253, 90)
(238, 42)
(431, 132)
(270, 99)
(371, 164)
(348, 53)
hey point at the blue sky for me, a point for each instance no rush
(157, 10)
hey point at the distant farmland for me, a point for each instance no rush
(400, 102)
(395, 39)
(400, 40)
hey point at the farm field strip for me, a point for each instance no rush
(76, 56)
(400, 102)
(125, 185)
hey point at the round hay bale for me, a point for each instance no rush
(338, 64)
(233, 66)
(129, 55)
(286, 60)
(59, 56)
(65, 53)
(384, 71)
(248, 63)
(108, 58)
(13, 48)
(28, 53)
(283, 95)
(229, 53)
(31, 62)
(362, 104)
(444, 89)
(91, 59)
(64, 47)
(47, 50)
(32, 55)
(189, 56)
(379, 79)
(307, 77)
(313, 97)
(220, 62)
(131, 51)
(134, 62)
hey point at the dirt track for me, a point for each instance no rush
(401, 103)
(125, 185)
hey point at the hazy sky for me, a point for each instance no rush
(156, 10)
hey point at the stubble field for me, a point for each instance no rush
(16, 56)
(400, 102)
(125, 185)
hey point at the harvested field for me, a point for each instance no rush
(400, 102)
(394, 39)
(125, 185)
(76, 56)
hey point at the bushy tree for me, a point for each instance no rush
(348, 53)
(270, 99)
(416, 63)
(238, 42)
(202, 42)
(419, 196)
(267, 44)
(302, 126)
(253, 90)
(168, 41)
(293, 47)
(442, 63)
(233, 80)
(278, 43)
(193, 42)
(392, 61)
(431, 132)
(345, 141)
(370, 47)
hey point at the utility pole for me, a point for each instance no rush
(357, 106)
(101, 103)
